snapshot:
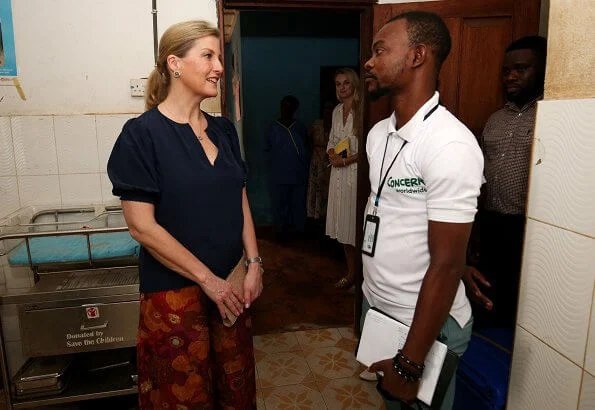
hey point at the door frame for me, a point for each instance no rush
(366, 13)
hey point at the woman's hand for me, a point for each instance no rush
(252, 284)
(336, 160)
(221, 292)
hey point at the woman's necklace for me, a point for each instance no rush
(197, 131)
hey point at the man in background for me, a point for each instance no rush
(289, 164)
(506, 144)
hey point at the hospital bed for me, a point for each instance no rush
(81, 314)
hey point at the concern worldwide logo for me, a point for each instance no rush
(407, 185)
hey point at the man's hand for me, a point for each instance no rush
(472, 279)
(394, 384)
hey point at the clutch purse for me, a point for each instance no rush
(236, 279)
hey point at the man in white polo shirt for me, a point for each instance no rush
(425, 173)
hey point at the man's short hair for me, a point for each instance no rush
(429, 29)
(290, 99)
(537, 44)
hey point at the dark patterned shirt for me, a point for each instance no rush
(506, 145)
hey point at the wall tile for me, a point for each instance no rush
(34, 145)
(541, 378)
(106, 191)
(80, 189)
(569, 71)
(76, 142)
(556, 285)
(7, 166)
(9, 195)
(108, 129)
(561, 186)
(587, 400)
(39, 190)
(590, 354)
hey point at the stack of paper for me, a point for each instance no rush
(382, 336)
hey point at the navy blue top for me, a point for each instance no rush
(288, 156)
(160, 161)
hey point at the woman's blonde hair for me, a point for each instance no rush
(356, 106)
(176, 40)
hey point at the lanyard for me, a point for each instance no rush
(383, 180)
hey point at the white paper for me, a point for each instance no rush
(382, 336)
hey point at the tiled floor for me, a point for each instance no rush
(313, 369)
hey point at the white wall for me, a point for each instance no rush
(554, 354)
(77, 57)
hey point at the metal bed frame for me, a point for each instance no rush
(54, 308)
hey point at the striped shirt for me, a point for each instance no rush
(506, 145)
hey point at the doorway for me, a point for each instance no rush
(469, 83)
(269, 55)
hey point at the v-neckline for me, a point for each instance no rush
(212, 164)
(344, 121)
(196, 140)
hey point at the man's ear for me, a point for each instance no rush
(420, 55)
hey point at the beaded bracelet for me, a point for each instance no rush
(404, 373)
(418, 366)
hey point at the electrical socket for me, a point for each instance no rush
(137, 87)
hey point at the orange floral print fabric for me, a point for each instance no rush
(187, 359)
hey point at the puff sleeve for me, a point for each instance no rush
(132, 165)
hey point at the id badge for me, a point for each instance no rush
(370, 234)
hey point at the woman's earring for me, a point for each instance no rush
(176, 74)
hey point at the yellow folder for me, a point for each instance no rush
(342, 148)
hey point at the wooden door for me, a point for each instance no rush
(470, 81)
(470, 85)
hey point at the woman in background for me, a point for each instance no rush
(181, 179)
(341, 209)
(319, 170)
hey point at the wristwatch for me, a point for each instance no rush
(255, 259)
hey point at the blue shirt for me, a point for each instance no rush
(288, 156)
(160, 161)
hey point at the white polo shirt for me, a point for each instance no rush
(436, 177)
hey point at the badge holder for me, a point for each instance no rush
(372, 220)
(370, 233)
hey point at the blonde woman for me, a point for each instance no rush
(341, 208)
(181, 179)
